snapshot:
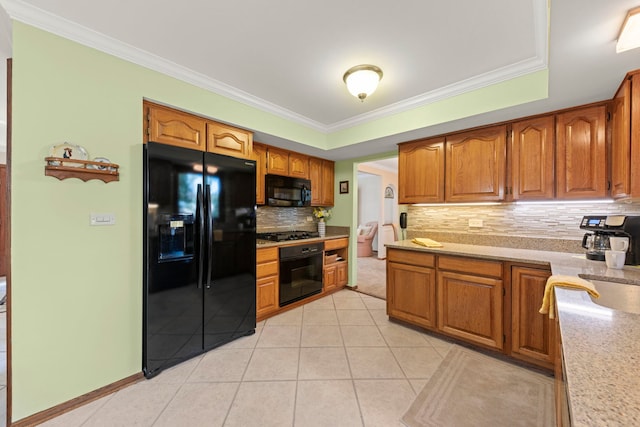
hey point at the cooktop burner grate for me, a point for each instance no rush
(287, 235)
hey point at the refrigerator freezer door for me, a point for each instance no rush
(230, 291)
(172, 327)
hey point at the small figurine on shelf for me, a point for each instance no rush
(67, 153)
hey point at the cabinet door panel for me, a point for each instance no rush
(532, 153)
(411, 294)
(298, 165)
(327, 183)
(533, 334)
(260, 156)
(421, 171)
(173, 127)
(330, 277)
(229, 141)
(475, 166)
(470, 307)
(266, 295)
(277, 161)
(315, 176)
(581, 154)
(621, 142)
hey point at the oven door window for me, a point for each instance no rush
(300, 278)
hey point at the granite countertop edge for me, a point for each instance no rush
(600, 345)
(261, 244)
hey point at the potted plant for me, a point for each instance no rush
(321, 214)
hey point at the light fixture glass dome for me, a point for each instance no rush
(362, 80)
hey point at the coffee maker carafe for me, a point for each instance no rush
(602, 227)
(595, 244)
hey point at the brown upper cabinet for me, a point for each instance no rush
(421, 171)
(532, 152)
(321, 177)
(287, 163)
(475, 165)
(172, 127)
(581, 153)
(230, 141)
(625, 139)
(277, 161)
(260, 156)
(298, 165)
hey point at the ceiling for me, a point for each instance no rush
(288, 57)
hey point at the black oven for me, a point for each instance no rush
(286, 191)
(300, 272)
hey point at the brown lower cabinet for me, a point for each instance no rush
(411, 288)
(489, 303)
(335, 276)
(267, 286)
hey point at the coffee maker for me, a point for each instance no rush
(604, 226)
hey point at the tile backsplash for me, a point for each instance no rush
(526, 225)
(284, 219)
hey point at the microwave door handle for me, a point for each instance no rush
(209, 234)
(200, 216)
(303, 194)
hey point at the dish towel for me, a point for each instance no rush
(426, 242)
(571, 282)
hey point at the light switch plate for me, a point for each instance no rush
(477, 223)
(103, 219)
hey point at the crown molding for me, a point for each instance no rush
(31, 15)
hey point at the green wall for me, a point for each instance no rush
(76, 290)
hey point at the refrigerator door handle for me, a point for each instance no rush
(200, 212)
(209, 234)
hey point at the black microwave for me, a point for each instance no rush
(285, 191)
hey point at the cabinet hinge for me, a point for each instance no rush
(504, 292)
(608, 116)
(148, 131)
(504, 338)
(608, 185)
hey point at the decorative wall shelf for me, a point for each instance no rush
(82, 169)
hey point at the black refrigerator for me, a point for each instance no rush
(199, 253)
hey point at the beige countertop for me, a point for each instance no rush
(601, 346)
(269, 244)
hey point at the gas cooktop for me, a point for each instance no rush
(287, 235)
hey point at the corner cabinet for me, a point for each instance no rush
(421, 171)
(532, 159)
(411, 287)
(532, 334)
(475, 165)
(581, 153)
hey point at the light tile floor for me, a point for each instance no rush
(337, 361)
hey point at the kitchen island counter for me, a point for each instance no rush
(600, 345)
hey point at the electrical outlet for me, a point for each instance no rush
(309, 219)
(477, 223)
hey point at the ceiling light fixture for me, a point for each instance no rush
(362, 80)
(629, 37)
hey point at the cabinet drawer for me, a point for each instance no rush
(335, 244)
(267, 254)
(471, 266)
(267, 269)
(411, 257)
